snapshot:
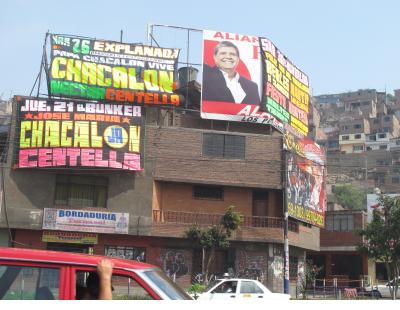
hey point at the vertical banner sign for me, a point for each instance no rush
(306, 179)
(286, 90)
(112, 71)
(70, 134)
(233, 79)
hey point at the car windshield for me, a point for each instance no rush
(165, 284)
(212, 284)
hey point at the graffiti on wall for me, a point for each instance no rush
(252, 265)
(174, 263)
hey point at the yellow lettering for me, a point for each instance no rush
(25, 142)
(81, 134)
(134, 139)
(65, 127)
(56, 71)
(74, 70)
(97, 141)
(52, 134)
(120, 77)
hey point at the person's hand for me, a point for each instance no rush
(104, 269)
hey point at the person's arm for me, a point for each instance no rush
(104, 270)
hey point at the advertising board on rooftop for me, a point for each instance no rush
(247, 79)
(112, 71)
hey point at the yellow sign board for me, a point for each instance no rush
(69, 237)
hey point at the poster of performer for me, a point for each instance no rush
(305, 190)
(232, 76)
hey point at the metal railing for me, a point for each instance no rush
(337, 288)
(167, 216)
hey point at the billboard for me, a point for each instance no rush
(286, 90)
(112, 71)
(77, 134)
(247, 79)
(232, 85)
(85, 221)
(306, 180)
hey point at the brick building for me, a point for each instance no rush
(338, 254)
(193, 170)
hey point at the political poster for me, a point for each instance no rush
(77, 134)
(85, 221)
(233, 84)
(286, 90)
(306, 180)
(112, 71)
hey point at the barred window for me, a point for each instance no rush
(81, 191)
(223, 146)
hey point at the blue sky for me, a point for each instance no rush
(341, 45)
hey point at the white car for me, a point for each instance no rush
(382, 290)
(230, 289)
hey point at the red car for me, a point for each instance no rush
(37, 274)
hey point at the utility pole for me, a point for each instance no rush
(285, 227)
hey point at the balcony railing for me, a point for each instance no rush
(166, 216)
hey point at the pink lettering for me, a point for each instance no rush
(73, 155)
(45, 157)
(87, 157)
(99, 162)
(131, 161)
(113, 163)
(24, 161)
(59, 157)
(275, 94)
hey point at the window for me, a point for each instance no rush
(376, 121)
(386, 129)
(123, 287)
(369, 148)
(223, 146)
(358, 148)
(20, 282)
(133, 253)
(357, 126)
(340, 222)
(357, 136)
(344, 127)
(226, 287)
(387, 118)
(208, 192)
(250, 287)
(81, 191)
(383, 147)
(396, 180)
(381, 135)
(345, 137)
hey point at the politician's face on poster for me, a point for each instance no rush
(232, 68)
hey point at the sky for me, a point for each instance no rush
(342, 45)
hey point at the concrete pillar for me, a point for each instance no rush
(328, 265)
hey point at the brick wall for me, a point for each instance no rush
(177, 156)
